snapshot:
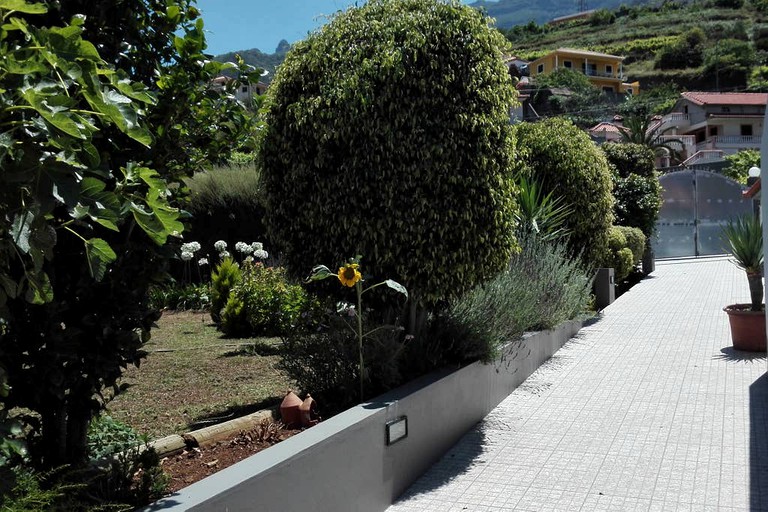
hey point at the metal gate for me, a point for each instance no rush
(696, 204)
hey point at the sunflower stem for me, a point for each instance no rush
(358, 313)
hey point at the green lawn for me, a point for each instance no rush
(194, 375)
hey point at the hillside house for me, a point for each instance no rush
(583, 15)
(603, 70)
(245, 92)
(715, 124)
(605, 132)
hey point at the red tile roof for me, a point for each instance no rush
(605, 127)
(727, 98)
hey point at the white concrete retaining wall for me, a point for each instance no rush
(344, 463)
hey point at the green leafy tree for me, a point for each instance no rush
(739, 164)
(687, 52)
(758, 79)
(563, 160)
(96, 135)
(396, 147)
(730, 58)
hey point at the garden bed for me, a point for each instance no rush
(194, 464)
(345, 462)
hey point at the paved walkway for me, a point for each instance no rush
(647, 409)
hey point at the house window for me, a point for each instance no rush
(245, 88)
(540, 68)
(608, 69)
(713, 131)
(589, 69)
(746, 130)
(607, 88)
(567, 64)
(726, 109)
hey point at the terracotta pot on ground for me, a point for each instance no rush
(289, 410)
(747, 327)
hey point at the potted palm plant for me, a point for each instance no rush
(744, 238)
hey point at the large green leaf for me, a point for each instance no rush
(54, 109)
(22, 6)
(40, 290)
(99, 255)
(157, 218)
(21, 230)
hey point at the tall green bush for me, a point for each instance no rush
(565, 161)
(223, 278)
(636, 188)
(387, 134)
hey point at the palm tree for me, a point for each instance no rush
(646, 130)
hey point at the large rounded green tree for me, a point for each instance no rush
(565, 161)
(387, 135)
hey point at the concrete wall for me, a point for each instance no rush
(344, 463)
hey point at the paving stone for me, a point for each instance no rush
(647, 409)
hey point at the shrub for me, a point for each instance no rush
(630, 158)
(396, 147)
(321, 356)
(181, 297)
(635, 242)
(638, 202)
(602, 17)
(542, 287)
(636, 188)
(108, 437)
(262, 302)
(26, 490)
(620, 256)
(226, 275)
(565, 161)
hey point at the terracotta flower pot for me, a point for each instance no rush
(289, 410)
(747, 327)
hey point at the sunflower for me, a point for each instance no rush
(349, 275)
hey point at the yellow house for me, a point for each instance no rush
(603, 70)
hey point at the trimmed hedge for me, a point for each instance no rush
(564, 160)
(387, 135)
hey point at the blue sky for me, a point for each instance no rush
(244, 24)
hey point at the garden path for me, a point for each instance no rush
(648, 409)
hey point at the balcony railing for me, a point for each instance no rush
(600, 74)
(704, 157)
(677, 119)
(730, 142)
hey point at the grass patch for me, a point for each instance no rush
(194, 377)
